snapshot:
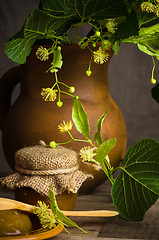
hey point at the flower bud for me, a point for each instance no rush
(97, 33)
(52, 144)
(72, 89)
(94, 45)
(88, 72)
(59, 104)
(153, 81)
(59, 48)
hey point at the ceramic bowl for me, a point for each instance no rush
(35, 235)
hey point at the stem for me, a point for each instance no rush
(139, 39)
(89, 67)
(71, 135)
(54, 85)
(80, 140)
(64, 84)
(92, 25)
(154, 65)
(64, 142)
(67, 93)
(90, 49)
(150, 48)
(57, 85)
(56, 37)
(75, 37)
(109, 170)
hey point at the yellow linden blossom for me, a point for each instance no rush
(100, 56)
(157, 10)
(111, 25)
(87, 154)
(148, 7)
(65, 126)
(42, 54)
(48, 94)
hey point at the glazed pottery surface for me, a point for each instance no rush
(31, 119)
(38, 234)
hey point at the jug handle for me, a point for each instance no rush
(7, 83)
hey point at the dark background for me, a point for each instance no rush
(129, 77)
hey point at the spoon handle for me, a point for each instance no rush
(95, 213)
(6, 204)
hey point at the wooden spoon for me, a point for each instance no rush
(8, 204)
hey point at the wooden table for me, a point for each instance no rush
(111, 228)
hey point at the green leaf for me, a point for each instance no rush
(155, 92)
(99, 9)
(150, 35)
(97, 135)
(129, 4)
(58, 8)
(146, 50)
(18, 49)
(104, 150)
(127, 28)
(147, 19)
(55, 209)
(80, 118)
(116, 47)
(136, 188)
(57, 60)
(38, 25)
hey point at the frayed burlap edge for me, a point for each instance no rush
(41, 184)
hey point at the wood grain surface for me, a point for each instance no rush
(110, 228)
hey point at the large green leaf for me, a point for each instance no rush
(38, 25)
(58, 8)
(80, 118)
(41, 24)
(155, 92)
(18, 49)
(136, 188)
(99, 9)
(127, 28)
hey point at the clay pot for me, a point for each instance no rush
(31, 119)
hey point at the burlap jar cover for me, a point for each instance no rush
(38, 167)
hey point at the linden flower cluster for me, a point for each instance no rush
(149, 7)
(47, 220)
(111, 25)
(65, 126)
(100, 56)
(87, 154)
(49, 94)
(42, 53)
